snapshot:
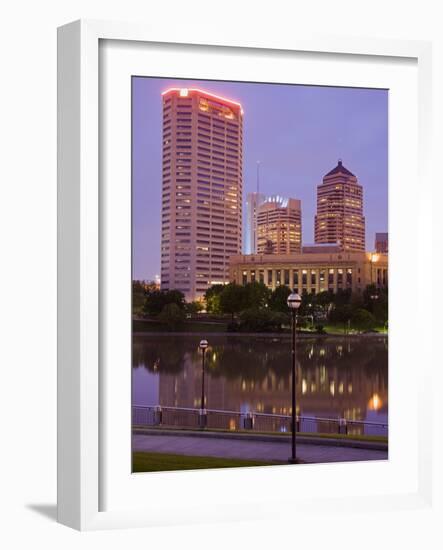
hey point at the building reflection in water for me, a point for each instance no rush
(337, 378)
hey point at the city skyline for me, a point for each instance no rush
(297, 133)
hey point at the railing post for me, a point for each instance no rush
(158, 416)
(342, 426)
(202, 418)
(153, 416)
(248, 421)
(297, 424)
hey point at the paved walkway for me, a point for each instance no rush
(249, 449)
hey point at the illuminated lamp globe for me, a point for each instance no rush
(294, 301)
(203, 344)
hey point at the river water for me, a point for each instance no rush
(336, 377)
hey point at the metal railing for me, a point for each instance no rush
(181, 417)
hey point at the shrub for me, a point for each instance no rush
(363, 320)
(301, 322)
(278, 319)
(194, 307)
(172, 316)
(261, 320)
(341, 314)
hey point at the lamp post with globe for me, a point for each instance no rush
(294, 302)
(202, 417)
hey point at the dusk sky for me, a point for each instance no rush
(296, 132)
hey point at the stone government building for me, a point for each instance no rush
(312, 271)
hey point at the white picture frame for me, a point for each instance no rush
(81, 397)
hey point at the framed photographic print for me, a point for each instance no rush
(234, 221)
(214, 267)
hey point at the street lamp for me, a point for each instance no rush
(202, 418)
(294, 302)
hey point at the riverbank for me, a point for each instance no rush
(189, 327)
(264, 335)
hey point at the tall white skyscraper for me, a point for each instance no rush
(202, 189)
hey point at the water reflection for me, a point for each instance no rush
(336, 377)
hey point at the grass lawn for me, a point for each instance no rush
(160, 462)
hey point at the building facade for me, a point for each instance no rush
(253, 202)
(381, 243)
(339, 217)
(312, 272)
(279, 226)
(201, 189)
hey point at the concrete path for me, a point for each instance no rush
(249, 449)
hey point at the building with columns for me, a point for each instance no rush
(339, 217)
(312, 272)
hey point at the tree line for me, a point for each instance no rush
(255, 307)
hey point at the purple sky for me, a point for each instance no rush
(297, 133)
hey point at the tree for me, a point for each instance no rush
(341, 314)
(212, 299)
(324, 299)
(233, 299)
(381, 308)
(172, 316)
(323, 303)
(343, 296)
(257, 295)
(278, 299)
(370, 294)
(307, 303)
(375, 300)
(138, 297)
(157, 299)
(356, 301)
